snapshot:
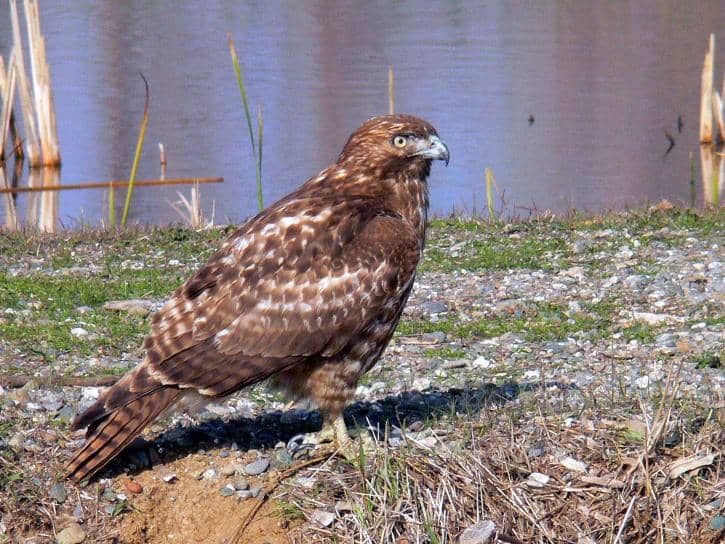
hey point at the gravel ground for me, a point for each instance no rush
(604, 312)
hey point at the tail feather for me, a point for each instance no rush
(109, 435)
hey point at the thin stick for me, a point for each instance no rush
(137, 155)
(110, 184)
(625, 521)
(20, 380)
(391, 91)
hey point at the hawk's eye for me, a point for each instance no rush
(400, 141)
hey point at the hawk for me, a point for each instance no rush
(306, 294)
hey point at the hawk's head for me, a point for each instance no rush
(391, 143)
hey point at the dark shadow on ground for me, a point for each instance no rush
(268, 429)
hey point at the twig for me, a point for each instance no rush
(20, 380)
(625, 521)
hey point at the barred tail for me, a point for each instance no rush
(109, 433)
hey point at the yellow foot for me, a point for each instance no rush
(335, 434)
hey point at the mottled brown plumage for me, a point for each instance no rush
(307, 293)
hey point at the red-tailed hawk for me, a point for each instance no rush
(307, 293)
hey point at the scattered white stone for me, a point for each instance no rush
(537, 479)
(322, 518)
(532, 374)
(208, 474)
(79, 332)
(428, 441)
(168, 478)
(573, 464)
(483, 532)
(91, 392)
(655, 319)
(481, 362)
(73, 534)
(642, 382)
(421, 384)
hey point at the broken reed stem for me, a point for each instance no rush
(42, 88)
(391, 91)
(706, 93)
(7, 92)
(111, 206)
(248, 116)
(490, 181)
(26, 102)
(137, 155)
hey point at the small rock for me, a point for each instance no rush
(133, 307)
(415, 426)
(481, 362)
(642, 382)
(79, 332)
(227, 491)
(230, 470)
(428, 441)
(241, 484)
(58, 493)
(655, 319)
(133, 486)
(437, 337)
(573, 464)
(322, 518)
(717, 523)
(244, 494)
(168, 478)
(537, 479)
(282, 460)
(208, 474)
(434, 307)
(73, 534)
(482, 532)
(109, 494)
(84, 310)
(17, 442)
(256, 467)
(421, 384)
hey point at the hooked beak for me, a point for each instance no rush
(433, 148)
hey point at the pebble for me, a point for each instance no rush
(256, 467)
(573, 464)
(168, 478)
(138, 307)
(458, 363)
(133, 486)
(481, 362)
(58, 493)
(230, 470)
(72, 534)
(434, 307)
(482, 532)
(227, 491)
(322, 518)
(537, 479)
(79, 332)
(241, 484)
(717, 523)
(208, 474)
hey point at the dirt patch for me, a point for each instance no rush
(189, 510)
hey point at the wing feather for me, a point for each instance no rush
(280, 291)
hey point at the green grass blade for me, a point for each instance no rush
(260, 136)
(248, 116)
(137, 156)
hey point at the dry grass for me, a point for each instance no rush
(635, 474)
